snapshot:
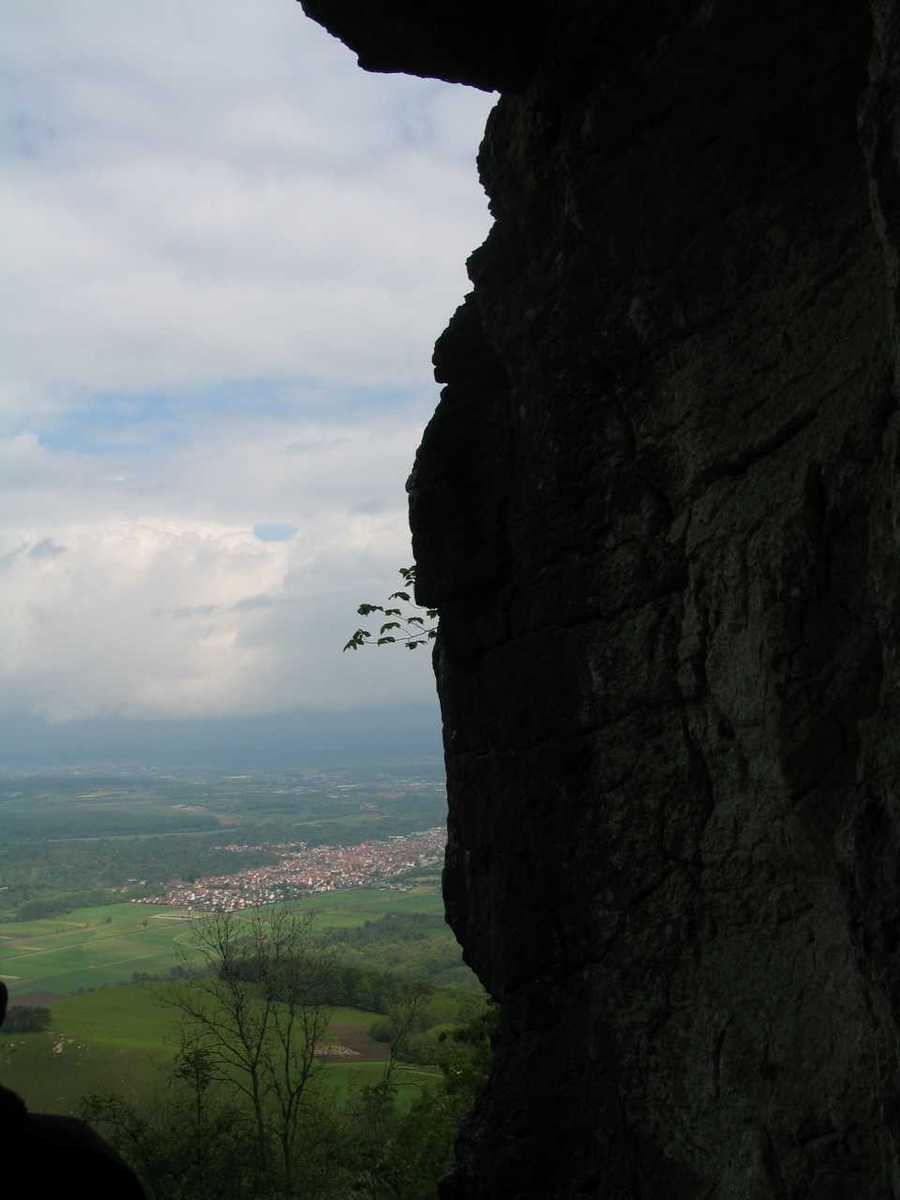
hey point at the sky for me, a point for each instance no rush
(227, 255)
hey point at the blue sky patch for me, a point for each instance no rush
(275, 531)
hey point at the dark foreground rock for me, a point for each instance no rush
(658, 508)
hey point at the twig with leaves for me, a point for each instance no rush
(402, 626)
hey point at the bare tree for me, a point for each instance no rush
(404, 1016)
(376, 1108)
(257, 1015)
(192, 1066)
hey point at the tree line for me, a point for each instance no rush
(26, 1018)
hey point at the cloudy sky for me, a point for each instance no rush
(227, 253)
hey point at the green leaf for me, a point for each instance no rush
(357, 640)
(405, 622)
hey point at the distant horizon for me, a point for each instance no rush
(400, 735)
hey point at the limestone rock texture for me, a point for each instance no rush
(658, 509)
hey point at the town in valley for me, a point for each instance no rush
(303, 870)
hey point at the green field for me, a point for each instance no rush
(123, 1038)
(94, 946)
(344, 910)
(89, 947)
(343, 1079)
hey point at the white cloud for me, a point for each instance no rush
(220, 237)
(206, 191)
(175, 606)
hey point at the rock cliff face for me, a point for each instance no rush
(658, 508)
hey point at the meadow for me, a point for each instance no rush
(90, 947)
(123, 1039)
(111, 1035)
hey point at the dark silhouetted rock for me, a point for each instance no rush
(491, 46)
(52, 1157)
(658, 507)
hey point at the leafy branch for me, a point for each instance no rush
(403, 626)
